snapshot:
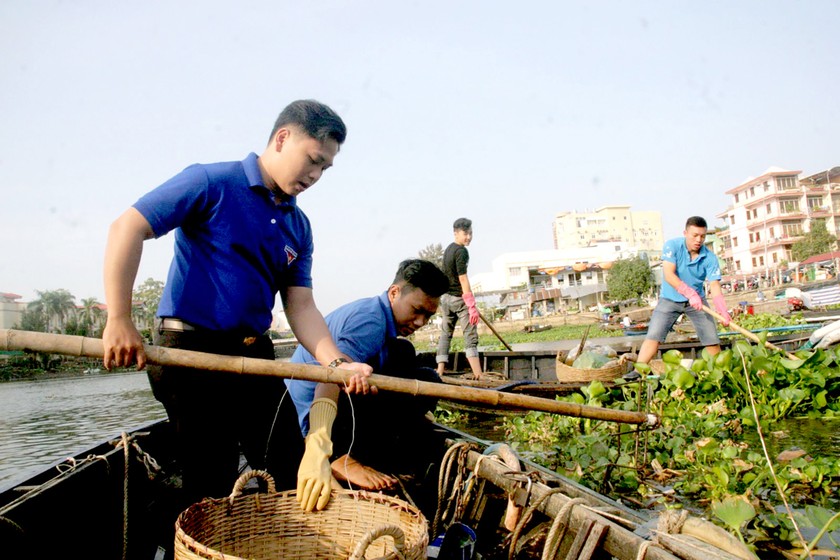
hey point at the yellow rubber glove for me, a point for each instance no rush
(314, 474)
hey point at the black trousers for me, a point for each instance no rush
(391, 431)
(217, 415)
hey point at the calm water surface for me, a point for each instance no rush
(44, 422)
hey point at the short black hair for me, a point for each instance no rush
(696, 221)
(462, 224)
(314, 118)
(424, 275)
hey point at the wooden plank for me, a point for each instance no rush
(593, 543)
(580, 540)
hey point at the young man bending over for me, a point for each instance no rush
(392, 433)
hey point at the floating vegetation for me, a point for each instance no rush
(699, 457)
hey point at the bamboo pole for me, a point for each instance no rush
(751, 335)
(493, 330)
(93, 348)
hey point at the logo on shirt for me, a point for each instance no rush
(291, 255)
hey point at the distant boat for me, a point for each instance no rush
(636, 329)
(535, 328)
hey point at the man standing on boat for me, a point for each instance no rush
(388, 432)
(458, 304)
(686, 265)
(240, 239)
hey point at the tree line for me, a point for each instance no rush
(56, 311)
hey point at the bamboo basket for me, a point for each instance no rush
(567, 373)
(355, 524)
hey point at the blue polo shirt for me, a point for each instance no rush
(235, 248)
(692, 272)
(360, 329)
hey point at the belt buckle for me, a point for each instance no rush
(176, 325)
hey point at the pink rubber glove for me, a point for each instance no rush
(720, 307)
(469, 299)
(694, 299)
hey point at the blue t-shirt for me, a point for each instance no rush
(694, 273)
(360, 330)
(235, 248)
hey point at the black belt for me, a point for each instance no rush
(172, 324)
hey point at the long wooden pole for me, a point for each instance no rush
(486, 322)
(93, 348)
(751, 335)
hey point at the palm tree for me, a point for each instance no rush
(55, 306)
(144, 303)
(90, 315)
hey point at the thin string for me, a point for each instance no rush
(352, 435)
(352, 428)
(274, 422)
(767, 453)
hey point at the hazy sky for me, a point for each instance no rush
(505, 112)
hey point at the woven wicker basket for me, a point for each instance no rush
(609, 373)
(263, 526)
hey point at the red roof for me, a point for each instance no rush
(8, 295)
(823, 257)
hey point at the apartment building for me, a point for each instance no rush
(550, 280)
(11, 310)
(609, 223)
(771, 212)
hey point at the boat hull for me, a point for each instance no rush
(84, 510)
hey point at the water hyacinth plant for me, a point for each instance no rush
(711, 452)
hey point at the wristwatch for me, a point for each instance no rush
(337, 362)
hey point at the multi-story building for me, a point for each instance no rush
(11, 310)
(573, 277)
(771, 212)
(609, 223)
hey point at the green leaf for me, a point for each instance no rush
(644, 369)
(791, 364)
(760, 362)
(820, 399)
(683, 378)
(722, 476)
(792, 395)
(820, 516)
(672, 356)
(734, 511)
(596, 389)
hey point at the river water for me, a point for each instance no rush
(44, 422)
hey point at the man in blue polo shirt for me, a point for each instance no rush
(686, 265)
(391, 431)
(240, 239)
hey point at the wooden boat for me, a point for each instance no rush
(536, 328)
(492, 382)
(636, 329)
(528, 372)
(540, 364)
(525, 386)
(510, 365)
(117, 500)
